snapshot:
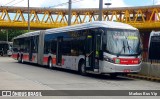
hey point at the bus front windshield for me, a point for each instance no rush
(121, 42)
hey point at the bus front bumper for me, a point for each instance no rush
(106, 67)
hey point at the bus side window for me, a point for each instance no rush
(104, 40)
(66, 48)
(75, 49)
(53, 47)
(73, 52)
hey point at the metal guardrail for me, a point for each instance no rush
(149, 61)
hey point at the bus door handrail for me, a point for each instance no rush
(89, 54)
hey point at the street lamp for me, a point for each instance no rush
(108, 4)
(101, 8)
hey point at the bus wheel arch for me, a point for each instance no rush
(22, 61)
(1, 53)
(81, 67)
(113, 75)
(50, 65)
(18, 58)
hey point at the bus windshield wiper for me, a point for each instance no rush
(128, 46)
(123, 48)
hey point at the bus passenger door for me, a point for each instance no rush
(59, 51)
(97, 47)
(89, 52)
(93, 44)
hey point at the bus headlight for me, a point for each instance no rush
(106, 58)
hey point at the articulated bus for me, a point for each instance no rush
(97, 47)
(154, 45)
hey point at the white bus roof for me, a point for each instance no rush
(155, 33)
(95, 24)
(28, 34)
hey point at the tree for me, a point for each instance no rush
(11, 34)
(3, 36)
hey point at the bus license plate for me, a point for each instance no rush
(126, 70)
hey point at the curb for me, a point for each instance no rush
(150, 78)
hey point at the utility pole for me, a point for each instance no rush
(100, 9)
(69, 12)
(28, 17)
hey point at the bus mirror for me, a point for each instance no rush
(140, 51)
(101, 31)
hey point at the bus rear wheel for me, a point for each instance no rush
(19, 58)
(1, 53)
(82, 68)
(22, 61)
(113, 75)
(50, 63)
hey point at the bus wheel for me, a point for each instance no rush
(22, 61)
(2, 54)
(19, 58)
(113, 75)
(82, 69)
(50, 63)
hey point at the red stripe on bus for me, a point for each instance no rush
(33, 58)
(54, 60)
(62, 61)
(25, 57)
(45, 59)
(14, 56)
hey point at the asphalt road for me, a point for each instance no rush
(17, 76)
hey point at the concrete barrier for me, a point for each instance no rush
(149, 69)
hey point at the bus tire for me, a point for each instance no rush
(22, 61)
(114, 75)
(2, 54)
(82, 68)
(19, 58)
(50, 65)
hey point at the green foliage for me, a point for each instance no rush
(2, 36)
(11, 34)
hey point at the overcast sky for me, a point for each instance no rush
(77, 3)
